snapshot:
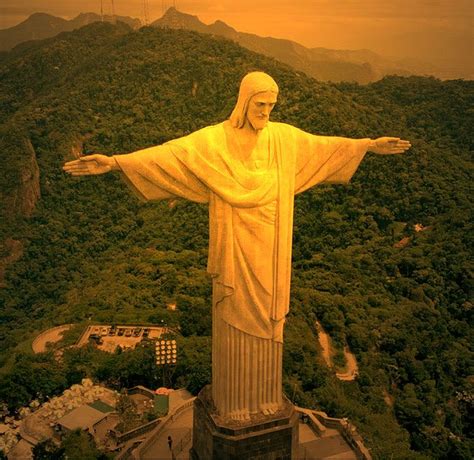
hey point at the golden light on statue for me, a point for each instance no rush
(248, 170)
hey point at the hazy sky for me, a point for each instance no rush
(434, 28)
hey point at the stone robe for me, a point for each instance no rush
(250, 238)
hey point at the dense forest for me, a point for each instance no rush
(398, 295)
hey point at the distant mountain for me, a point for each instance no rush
(445, 69)
(41, 25)
(361, 66)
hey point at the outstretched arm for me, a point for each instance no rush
(91, 165)
(321, 159)
(154, 173)
(388, 145)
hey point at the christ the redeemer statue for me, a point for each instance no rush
(248, 170)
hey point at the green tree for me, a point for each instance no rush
(79, 445)
(48, 450)
(127, 410)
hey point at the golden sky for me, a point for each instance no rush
(430, 28)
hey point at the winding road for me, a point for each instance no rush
(52, 335)
(352, 369)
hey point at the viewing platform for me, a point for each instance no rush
(320, 437)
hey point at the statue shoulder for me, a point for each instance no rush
(210, 130)
(283, 128)
(202, 137)
(209, 133)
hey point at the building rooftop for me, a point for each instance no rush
(82, 417)
(101, 406)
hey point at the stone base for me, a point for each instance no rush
(273, 437)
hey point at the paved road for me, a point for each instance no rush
(179, 429)
(50, 336)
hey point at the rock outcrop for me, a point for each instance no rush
(20, 187)
(19, 190)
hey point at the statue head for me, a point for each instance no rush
(257, 96)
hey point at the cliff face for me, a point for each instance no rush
(28, 192)
(19, 191)
(20, 188)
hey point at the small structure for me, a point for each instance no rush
(162, 400)
(109, 337)
(85, 417)
(146, 399)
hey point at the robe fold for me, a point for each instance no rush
(250, 238)
(250, 209)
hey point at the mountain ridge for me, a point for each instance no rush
(40, 26)
(361, 66)
(326, 64)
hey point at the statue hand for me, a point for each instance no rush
(389, 145)
(91, 165)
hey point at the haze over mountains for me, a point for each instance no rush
(361, 66)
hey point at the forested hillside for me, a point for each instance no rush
(91, 251)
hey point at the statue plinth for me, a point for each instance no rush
(263, 437)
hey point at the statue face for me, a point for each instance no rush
(259, 109)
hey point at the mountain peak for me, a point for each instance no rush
(221, 25)
(175, 19)
(39, 18)
(173, 12)
(40, 14)
(43, 25)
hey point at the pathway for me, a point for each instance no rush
(352, 368)
(179, 430)
(52, 335)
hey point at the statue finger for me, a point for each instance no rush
(78, 171)
(72, 163)
(82, 173)
(403, 146)
(76, 167)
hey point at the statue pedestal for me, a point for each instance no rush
(263, 437)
